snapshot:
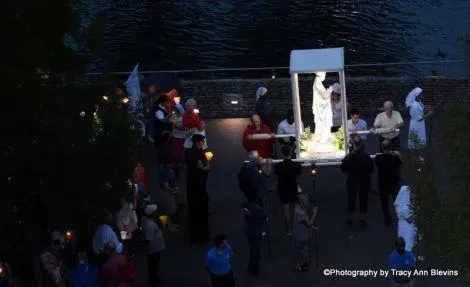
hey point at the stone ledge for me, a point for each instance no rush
(365, 93)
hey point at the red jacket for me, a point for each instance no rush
(264, 147)
(191, 120)
(141, 177)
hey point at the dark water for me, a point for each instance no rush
(233, 34)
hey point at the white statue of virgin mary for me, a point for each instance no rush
(321, 107)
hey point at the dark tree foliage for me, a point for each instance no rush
(66, 154)
(442, 215)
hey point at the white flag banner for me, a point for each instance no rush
(135, 94)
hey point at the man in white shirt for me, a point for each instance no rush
(356, 124)
(287, 126)
(389, 119)
(105, 235)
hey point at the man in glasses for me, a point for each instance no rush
(389, 119)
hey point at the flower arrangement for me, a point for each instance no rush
(304, 140)
(338, 140)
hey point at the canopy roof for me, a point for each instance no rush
(317, 60)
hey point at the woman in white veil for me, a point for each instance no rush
(404, 209)
(417, 121)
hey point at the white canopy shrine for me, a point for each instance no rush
(309, 62)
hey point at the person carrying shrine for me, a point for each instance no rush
(264, 147)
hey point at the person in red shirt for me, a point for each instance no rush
(191, 118)
(263, 147)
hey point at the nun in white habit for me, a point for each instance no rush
(417, 124)
(404, 210)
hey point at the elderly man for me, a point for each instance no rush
(359, 167)
(264, 107)
(264, 147)
(389, 119)
(252, 177)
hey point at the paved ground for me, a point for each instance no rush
(339, 247)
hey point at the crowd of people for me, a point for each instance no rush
(357, 165)
(106, 257)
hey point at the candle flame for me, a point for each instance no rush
(105, 98)
(163, 219)
(196, 111)
(125, 100)
(209, 155)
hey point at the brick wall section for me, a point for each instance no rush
(365, 94)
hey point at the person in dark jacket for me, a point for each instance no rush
(257, 177)
(255, 225)
(162, 119)
(287, 172)
(264, 108)
(359, 167)
(196, 191)
(388, 170)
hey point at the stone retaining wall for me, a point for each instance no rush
(366, 94)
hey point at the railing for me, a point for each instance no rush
(436, 68)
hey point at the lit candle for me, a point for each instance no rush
(68, 235)
(209, 155)
(163, 219)
(125, 100)
(196, 111)
(105, 98)
(82, 114)
(123, 235)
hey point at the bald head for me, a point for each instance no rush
(386, 145)
(388, 105)
(256, 120)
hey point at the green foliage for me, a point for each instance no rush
(442, 215)
(56, 155)
(306, 137)
(338, 140)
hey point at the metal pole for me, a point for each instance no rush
(342, 81)
(297, 114)
(268, 239)
(315, 231)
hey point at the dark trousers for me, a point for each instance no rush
(395, 143)
(354, 187)
(153, 261)
(198, 217)
(385, 191)
(226, 280)
(255, 240)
